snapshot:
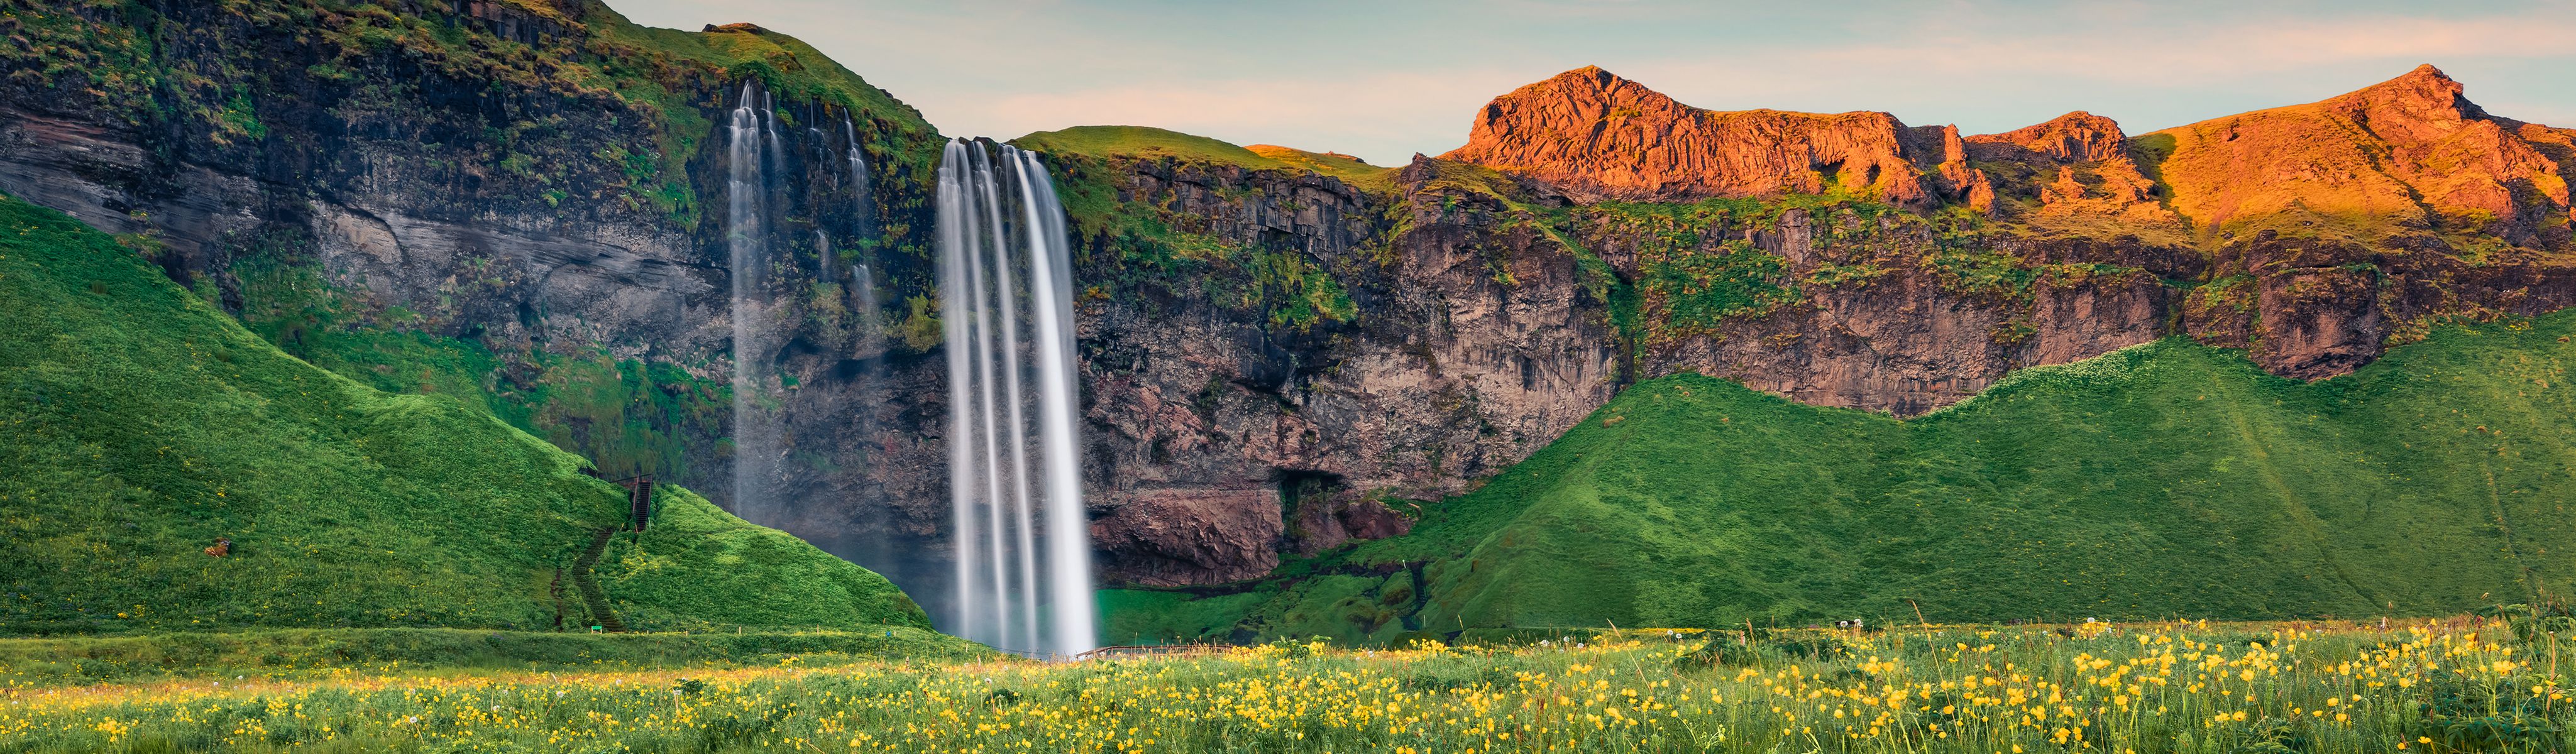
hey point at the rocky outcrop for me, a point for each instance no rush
(2407, 155)
(1444, 374)
(2078, 163)
(1596, 135)
(1874, 313)
(2310, 308)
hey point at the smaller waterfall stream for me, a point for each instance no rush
(1006, 294)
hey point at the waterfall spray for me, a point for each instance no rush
(1001, 239)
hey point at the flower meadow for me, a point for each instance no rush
(2452, 686)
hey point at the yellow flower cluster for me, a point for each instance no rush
(2434, 688)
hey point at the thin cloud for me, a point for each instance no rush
(1371, 116)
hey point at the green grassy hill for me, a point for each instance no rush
(1148, 143)
(1145, 142)
(2170, 479)
(143, 424)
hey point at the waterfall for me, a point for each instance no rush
(863, 205)
(1004, 262)
(752, 149)
(860, 186)
(823, 256)
(863, 285)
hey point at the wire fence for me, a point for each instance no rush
(1124, 652)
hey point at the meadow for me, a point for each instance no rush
(2457, 685)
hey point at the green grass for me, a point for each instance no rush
(654, 59)
(303, 653)
(1350, 169)
(628, 416)
(144, 424)
(2169, 479)
(698, 567)
(1145, 142)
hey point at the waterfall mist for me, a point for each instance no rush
(1006, 295)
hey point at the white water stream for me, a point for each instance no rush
(1023, 568)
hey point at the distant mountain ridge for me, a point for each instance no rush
(1601, 136)
(2411, 153)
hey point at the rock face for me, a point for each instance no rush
(1916, 337)
(1597, 135)
(2410, 154)
(2076, 164)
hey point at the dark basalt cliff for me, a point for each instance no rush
(522, 203)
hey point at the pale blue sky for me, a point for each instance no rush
(1384, 79)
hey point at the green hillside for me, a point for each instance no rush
(2169, 479)
(1144, 142)
(144, 424)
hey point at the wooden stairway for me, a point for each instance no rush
(591, 595)
(639, 500)
(639, 504)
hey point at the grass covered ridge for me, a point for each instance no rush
(1146, 142)
(1127, 241)
(2169, 479)
(145, 424)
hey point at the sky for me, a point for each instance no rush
(1384, 79)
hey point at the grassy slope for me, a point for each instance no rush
(697, 565)
(1350, 169)
(143, 424)
(1145, 141)
(791, 68)
(307, 653)
(2169, 479)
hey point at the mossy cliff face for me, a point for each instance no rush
(519, 202)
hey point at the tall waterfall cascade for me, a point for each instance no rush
(1022, 542)
(753, 159)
